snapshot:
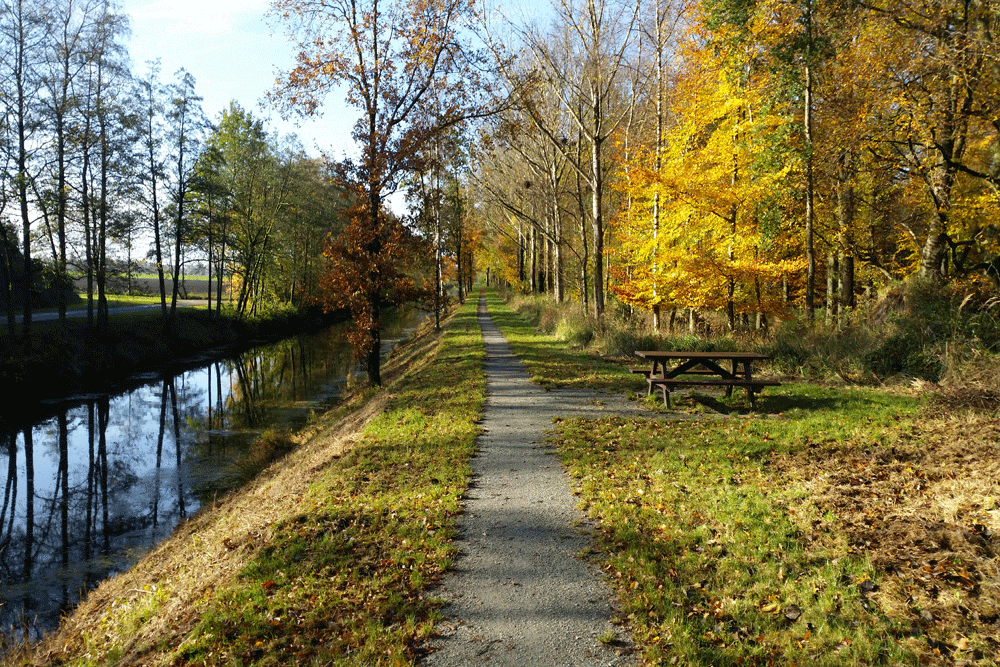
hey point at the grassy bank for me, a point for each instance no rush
(328, 556)
(840, 525)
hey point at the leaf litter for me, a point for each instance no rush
(924, 509)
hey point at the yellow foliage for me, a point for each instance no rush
(717, 239)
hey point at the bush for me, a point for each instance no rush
(822, 351)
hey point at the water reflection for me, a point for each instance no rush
(90, 490)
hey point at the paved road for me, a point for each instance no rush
(120, 310)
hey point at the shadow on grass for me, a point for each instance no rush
(800, 401)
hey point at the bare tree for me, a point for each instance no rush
(588, 61)
(22, 39)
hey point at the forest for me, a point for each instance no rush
(100, 160)
(748, 160)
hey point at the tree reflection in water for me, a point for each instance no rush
(91, 489)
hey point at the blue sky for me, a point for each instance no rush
(234, 54)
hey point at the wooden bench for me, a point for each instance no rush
(755, 385)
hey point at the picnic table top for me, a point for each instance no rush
(680, 354)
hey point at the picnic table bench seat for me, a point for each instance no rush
(702, 369)
(666, 384)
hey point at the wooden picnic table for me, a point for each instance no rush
(688, 369)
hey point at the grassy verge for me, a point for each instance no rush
(839, 526)
(325, 559)
(114, 301)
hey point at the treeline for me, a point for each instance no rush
(98, 162)
(747, 157)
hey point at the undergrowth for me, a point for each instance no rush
(917, 329)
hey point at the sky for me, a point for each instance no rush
(234, 52)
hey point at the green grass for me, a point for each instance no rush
(553, 362)
(703, 539)
(348, 580)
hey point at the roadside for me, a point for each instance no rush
(50, 316)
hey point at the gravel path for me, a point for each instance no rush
(518, 594)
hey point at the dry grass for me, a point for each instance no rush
(203, 553)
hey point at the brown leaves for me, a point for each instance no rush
(369, 270)
(918, 508)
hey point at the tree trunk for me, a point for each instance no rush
(831, 289)
(597, 200)
(846, 283)
(810, 214)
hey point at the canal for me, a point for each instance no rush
(91, 489)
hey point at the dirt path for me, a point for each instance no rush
(518, 594)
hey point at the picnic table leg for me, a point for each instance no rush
(729, 388)
(748, 374)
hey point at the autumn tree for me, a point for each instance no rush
(710, 226)
(941, 80)
(586, 61)
(392, 58)
(525, 197)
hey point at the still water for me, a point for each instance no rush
(90, 490)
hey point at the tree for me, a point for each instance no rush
(585, 63)
(151, 114)
(313, 210)
(69, 32)
(186, 123)
(22, 37)
(250, 184)
(113, 139)
(942, 81)
(722, 238)
(394, 57)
